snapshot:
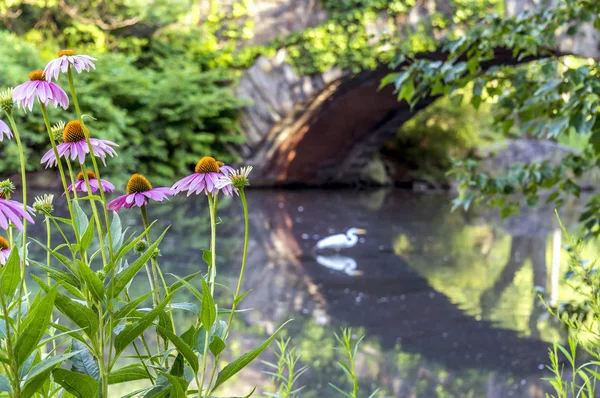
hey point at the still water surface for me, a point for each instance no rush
(447, 301)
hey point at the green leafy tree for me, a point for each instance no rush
(536, 92)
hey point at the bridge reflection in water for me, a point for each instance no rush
(446, 300)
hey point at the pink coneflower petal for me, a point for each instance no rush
(38, 87)
(62, 63)
(208, 172)
(139, 192)
(13, 211)
(80, 186)
(4, 256)
(79, 150)
(5, 131)
(116, 204)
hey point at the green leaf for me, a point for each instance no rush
(87, 237)
(406, 91)
(81, 220)
(131, 332)
(129, 307)
(50, 363)
(81, 315)
(241, 297)
(91, 280)
(134, 371)
(191, 307)
(208, 313)
(207, 257)
(5, 384)
(241, 362)
(217, 346)
(78, 384)
(183, 348)
(34, 384)
(388, 79)
(179, 386)
(34, 325)
(180, 281)
(11, 273)
(59, 276)
(116, 286)
(84, 362)
(116, 231)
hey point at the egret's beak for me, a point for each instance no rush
(361, 231)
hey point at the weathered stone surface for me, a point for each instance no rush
(498, 158)
(274, 18)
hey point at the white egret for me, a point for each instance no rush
(341, 241)
(339, 263)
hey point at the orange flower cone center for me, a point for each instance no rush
(137, 183)
(66, 52)
(37, 75)
(208, 165)
(73, 132)
(90, 175)
(4, 244)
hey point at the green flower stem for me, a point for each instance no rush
(15, 130)
(14, 379)
(94, 163)
(212, 209)
(22, 284)
(153, 289)
(61, 170)
(96, 216)
(213, 241)
(155, 268)
(48, 259)
(71, 176)
(100, 353)
(240, 279)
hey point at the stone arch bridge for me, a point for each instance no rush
(325, 128)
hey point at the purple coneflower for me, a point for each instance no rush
(5, 131)
(235, 180)
(4, 250)
(45, 91)
(80, 185)
(74, 145)
(12, 211)
(67, 58)
(139, 190)
(207, 173)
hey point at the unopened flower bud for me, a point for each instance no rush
(57, 131)
(140, 247)
(6, 189)
(6, 100)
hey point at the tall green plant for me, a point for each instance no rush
(98, 259)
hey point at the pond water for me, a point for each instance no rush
(447, 301)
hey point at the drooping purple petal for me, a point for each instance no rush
(13, 211)
(116, 204)
(5, 131)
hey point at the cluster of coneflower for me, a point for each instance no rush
(73, 143)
